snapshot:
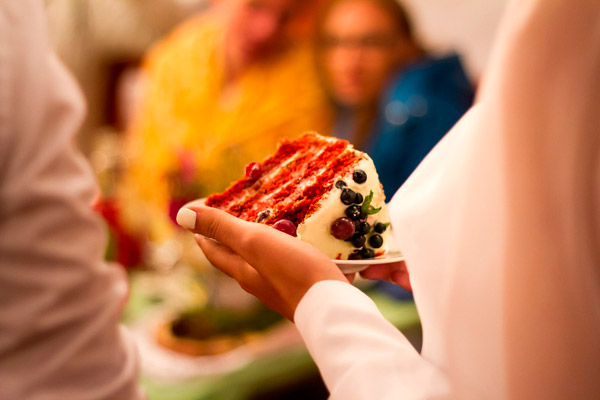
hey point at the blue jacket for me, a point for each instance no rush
(422, 103)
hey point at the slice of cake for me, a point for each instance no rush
(319, 189)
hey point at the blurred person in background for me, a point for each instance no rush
(218, 94)
(394, 100)
(59, 321)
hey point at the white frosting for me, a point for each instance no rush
(316, 228)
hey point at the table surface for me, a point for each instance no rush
(263, 372)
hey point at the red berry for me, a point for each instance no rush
(342, 228)
(254, 171)
(286, 226)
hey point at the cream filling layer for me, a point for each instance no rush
(316, 228)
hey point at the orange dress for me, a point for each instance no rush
(192, 138)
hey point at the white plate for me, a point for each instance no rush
(352, 266)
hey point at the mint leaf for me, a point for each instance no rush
(367, 202)
(366, 207)
(372, 210)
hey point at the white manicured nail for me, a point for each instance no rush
(186, 218)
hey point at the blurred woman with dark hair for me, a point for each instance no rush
(394, 99)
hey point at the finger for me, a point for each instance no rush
(227, 229)
(252, 241)
(400, 275)
(209, 222)
(394, 272)
(350, 277)
(380, 271)
(401, 279)
(247, 277)
(229, 262)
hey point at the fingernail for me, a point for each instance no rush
(186, 218)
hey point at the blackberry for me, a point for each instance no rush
(366, 253)
(348, 196)
(359, 199)
(376, 241)
(379, 227)
(363, 227)
(358, 241)
(353, 212)
(359, 176)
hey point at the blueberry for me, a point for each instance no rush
(359, 199)
(379, 227)
(358, 240)
(354, 256)
(264, 214)
(362, 216)
(363, 227)
(340, 184)
(376, 241)
(366, 253)
(353, 212)
(359, 176)
(342, 228)
(348, 196)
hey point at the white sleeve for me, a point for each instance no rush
(359, 353)
(500, 226)
(59, 321)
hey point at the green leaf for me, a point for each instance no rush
(367, 202)
(372, 210)
(366, 207)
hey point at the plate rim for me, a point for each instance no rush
(354, 266)
(386, 259)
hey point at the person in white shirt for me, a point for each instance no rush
(500, 227)
(60, 304)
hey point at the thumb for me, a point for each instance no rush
(210, 222)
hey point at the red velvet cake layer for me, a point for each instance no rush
(290, 183)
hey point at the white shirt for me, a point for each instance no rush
(500, 226)
(59, 303)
